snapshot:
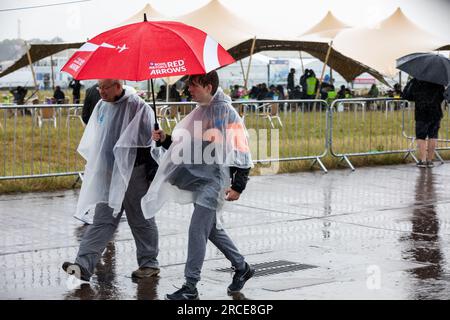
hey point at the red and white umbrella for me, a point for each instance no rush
(147, 50)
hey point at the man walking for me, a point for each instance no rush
(118, 172)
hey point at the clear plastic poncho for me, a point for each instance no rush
(195, 169)
(109, 145)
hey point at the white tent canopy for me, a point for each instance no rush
(326, 29)
(236, 35)
(152, 14)
(380, 46)
(221, 24)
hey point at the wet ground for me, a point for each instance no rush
(376, 233)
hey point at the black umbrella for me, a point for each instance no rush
(429, 67)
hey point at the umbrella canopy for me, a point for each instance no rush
(147, 50)
(429, 67)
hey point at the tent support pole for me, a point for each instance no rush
(31, 66)
(53, 73)
(301, 61)
(249, 63)
(242, 70)
(323, 69)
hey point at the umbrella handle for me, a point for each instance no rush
(154, 107)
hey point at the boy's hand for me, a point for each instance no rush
(231, 195)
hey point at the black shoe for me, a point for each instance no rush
(430, 164)
(187, 292)
(76, 270)
(145, 272)
(240, 278)
(421, 164)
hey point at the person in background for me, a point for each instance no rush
(235, 92)
(263, 92)
(76, 88)
(254, 92)
(161, 95)
(186, 95)
(90, 101)
(325, 87)
(296, 93)
(312, 84)
(428, 113)
(272, 94)
(348, 93)
(291, 80)
(174, 95)
(303, 78)
(19, 95)
(373, 92)
(397, 91)
(280, 90)
(341, 92)
(59, 95)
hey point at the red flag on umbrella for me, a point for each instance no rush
(147, 50)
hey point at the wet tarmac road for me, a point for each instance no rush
(376, 233)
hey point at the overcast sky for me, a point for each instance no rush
(82, 20)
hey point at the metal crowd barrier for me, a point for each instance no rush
(40, 141)
(290, 129)
(170, 113)
(366, 127)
